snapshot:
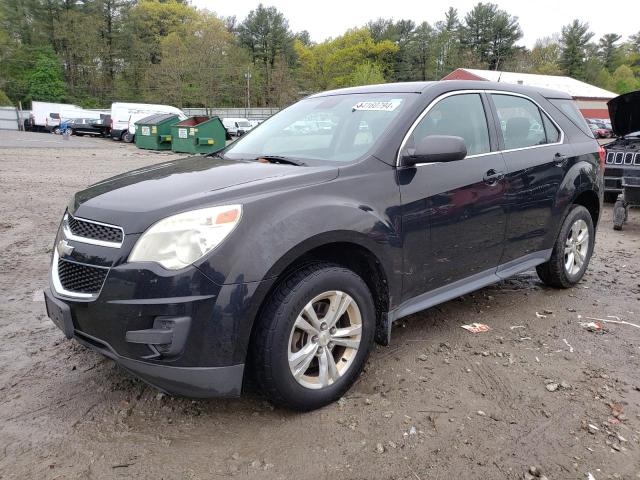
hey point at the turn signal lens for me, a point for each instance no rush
(227, 217)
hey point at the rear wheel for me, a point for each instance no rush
(56, 131)
(313, 337)
(571, 252)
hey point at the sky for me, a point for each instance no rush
(539, 18)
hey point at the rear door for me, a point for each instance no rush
(536, 159)
(454, 213)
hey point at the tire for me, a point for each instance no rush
(56, 131)
(555, 272)
(127, 137)
(619, 214)
(276, 337)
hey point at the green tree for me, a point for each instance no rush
(46, 82)
(265, 33)
(634, 42)
(401, 34)
(421, 52)
(624, 80)
(202, 67)
(332, 63)
(4, 100)
(367, 73)
(447, 44)
(545, 57)
(609, 52)
(491, 34)
(574, 40)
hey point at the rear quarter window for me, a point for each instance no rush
(569, 108)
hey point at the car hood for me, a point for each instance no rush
(624, 112)
(137, 199)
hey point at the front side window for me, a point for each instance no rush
(522, 123)
(458, 115)
(340, 128)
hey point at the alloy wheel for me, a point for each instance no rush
(324, 339)
(576, 247)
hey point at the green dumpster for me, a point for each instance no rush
(154, 132)
(198, 135)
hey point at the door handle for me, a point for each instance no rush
(560, 160)
(492, 177)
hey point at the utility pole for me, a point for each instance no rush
(248, 77)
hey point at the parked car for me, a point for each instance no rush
(284, 257)
(87, 126)
(602, 127)
(599, 132)
(236, 126)
(623, 154)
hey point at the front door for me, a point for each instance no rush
(454, 212)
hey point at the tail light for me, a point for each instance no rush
(603, 153)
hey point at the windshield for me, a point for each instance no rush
(243, 124)
(338, 128)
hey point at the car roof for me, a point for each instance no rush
(423, 87)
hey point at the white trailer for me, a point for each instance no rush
(46, 115)
(125, 115)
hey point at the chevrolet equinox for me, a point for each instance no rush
(286, 255)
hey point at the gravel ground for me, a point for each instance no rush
(538, 389)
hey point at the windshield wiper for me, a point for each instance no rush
(280, 159)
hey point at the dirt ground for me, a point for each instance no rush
(538, 389)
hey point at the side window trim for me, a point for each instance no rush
(500, 146)
(429, 107)
(492, 123)
(542, 112)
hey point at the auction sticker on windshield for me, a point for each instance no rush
(381, 106)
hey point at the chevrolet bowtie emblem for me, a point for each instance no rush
(64, 249)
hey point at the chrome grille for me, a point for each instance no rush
(610, 157)
(628, 158)
(80, 278)
(88, 231)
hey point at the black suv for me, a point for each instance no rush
(287, 255)
(623, 154)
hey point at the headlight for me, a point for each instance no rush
(180, 240)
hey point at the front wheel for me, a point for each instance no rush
(128, 137)
(313, 337)
(571, 252)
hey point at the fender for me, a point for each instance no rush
(581, 177)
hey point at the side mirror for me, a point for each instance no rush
(435, 148)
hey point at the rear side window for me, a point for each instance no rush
(570, 110)
(522, 123)
(458, 115)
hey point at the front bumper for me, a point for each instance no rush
(210, 359)
(195, 382)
